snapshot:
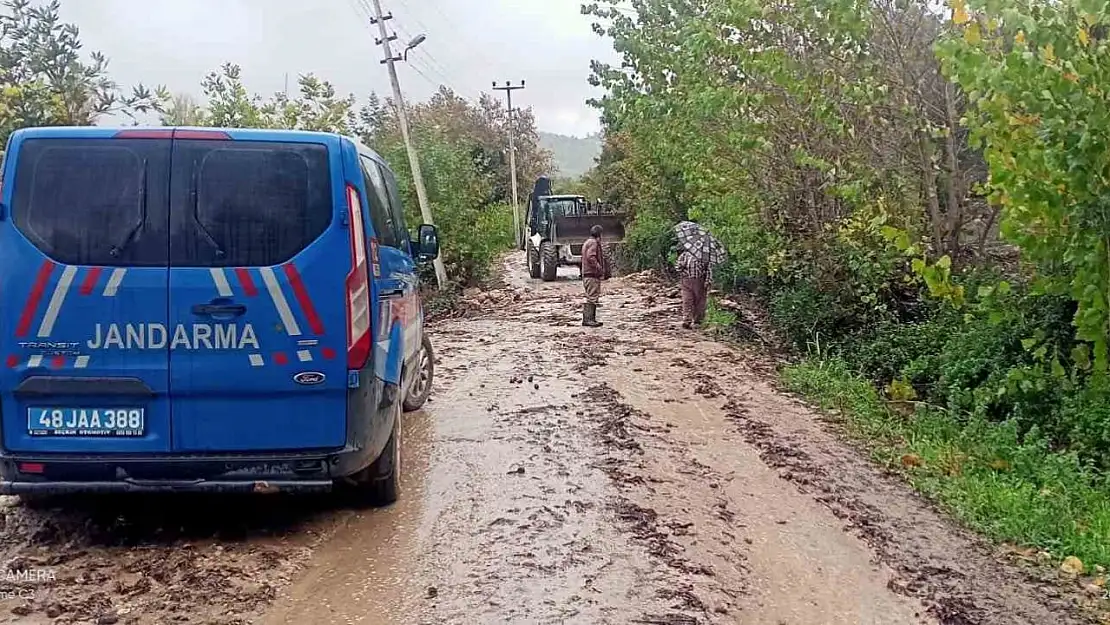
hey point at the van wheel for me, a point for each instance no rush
(420, 387)
(380, 483)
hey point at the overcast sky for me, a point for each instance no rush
(470, 43)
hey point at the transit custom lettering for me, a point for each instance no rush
(184, 336)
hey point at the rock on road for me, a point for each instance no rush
(634, 473)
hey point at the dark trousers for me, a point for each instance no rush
(694, 295)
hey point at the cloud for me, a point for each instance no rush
(469, 44)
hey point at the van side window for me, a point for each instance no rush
(395, 207)
(384, 228)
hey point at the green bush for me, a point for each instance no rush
(1085, 423)
(470, 243)
(807, 315)
(648, 241)
(1006, 483)
(886, 353)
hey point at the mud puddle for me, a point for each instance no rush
(152, 559)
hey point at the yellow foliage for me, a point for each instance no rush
(1072, 566)
(912, 460)
(901, 390)
(972, 34)
(959, 12)
(999, 464)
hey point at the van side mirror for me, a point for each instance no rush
(426, 245)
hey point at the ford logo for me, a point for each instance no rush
(309, 377)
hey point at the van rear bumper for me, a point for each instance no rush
(165, 486)
(276, 473)
(303, 471)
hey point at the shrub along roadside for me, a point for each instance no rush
(1009, 487)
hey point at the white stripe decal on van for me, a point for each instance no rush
(81, 362)
(256, 360)
(56, 300)
(287, 318)
(113, 282)
(222, 286)
(35, 361)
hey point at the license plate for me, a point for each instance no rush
(111, 422)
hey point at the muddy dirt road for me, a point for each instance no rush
(634, 473)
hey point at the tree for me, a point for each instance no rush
(230, 105)
(480, 128)
(317, 107)
(44, 80)
(1039, 70)
(183, 110)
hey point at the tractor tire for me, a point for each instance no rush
(549, 261)
(533, 261)
(610, 250)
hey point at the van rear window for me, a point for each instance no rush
(247, 203)
(93, 201)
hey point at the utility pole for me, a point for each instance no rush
(508, 89)
(402, 117)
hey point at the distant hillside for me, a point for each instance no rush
(573, 155)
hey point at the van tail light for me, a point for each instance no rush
(359, 337)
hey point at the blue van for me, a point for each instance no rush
(189, 309)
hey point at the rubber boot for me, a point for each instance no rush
(589, 315)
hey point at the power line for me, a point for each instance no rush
(430, 63)
(402, 117)
(448, 22)
(414, 16)
(365, 13)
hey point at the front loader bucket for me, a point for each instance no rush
(576, 228)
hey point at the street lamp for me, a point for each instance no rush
(417, 40)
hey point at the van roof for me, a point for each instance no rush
(243, 134)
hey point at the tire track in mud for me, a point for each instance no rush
(152, 559)
(694, 594)
(960, 579)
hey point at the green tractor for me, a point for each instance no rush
(558, 225)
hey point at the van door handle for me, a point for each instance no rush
(219, 310)
(391, 293)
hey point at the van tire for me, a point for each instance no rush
(379, 484)
(549, 261)
(421, 379)
(533, 260)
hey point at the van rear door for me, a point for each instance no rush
(83, 280)
(258, 262)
